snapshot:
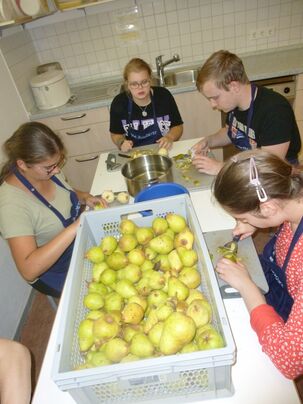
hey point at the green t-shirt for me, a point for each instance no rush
(22, 214)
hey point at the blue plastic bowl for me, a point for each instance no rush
(160, 190)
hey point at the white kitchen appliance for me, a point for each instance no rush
(50, 89)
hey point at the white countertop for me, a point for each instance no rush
(255, 378)
(259, 65)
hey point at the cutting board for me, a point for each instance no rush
(190, 179)
(248, 255)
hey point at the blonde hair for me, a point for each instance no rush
(135, 65)
(223, 67)
(279, 179)
(32, 142)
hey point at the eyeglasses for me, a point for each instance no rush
(254, 180)
(49, 169)
(136, 84)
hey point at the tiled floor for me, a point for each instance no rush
(37, 328)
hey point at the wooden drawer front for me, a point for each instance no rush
(80, 170)
(77, 118)
(87, 138)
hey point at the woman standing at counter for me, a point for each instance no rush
(39, 211)
(261, 190)
(142, 114)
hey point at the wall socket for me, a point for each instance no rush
(260, 33)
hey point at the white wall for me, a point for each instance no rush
(89, 46)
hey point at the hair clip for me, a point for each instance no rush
(234, 159)
(254, 180)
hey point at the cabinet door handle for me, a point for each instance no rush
(89, 159)
(73, 117)
(78, 132)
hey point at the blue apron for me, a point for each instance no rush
(239, 138)
(142, 137)
(278, 295)
(54, 277)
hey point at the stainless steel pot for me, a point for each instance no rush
(146, 170)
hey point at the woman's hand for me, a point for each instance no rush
(126, 146)
(201, 147)
(234, 273)
(165, 142)
(206, 164)
(91, 201)
(244, 229)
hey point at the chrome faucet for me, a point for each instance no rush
(160, 66)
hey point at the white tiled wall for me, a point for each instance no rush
(89, 46)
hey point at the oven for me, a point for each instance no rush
(285, 85)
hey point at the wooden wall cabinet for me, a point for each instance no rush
(85, 135)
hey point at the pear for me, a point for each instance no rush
(155, 334)
(97, 287)
(117, 260)
(127, 226)
(162, 244)
(163, 151)
(141, 346)
(108, 245)
(188, 257)
(147, 265)
(108, 195)
(190, 277)
(169, 232)
(203, 328)
(177, 288)
(85, 334)
(95, 254)
(150, 321)
(108, 277)
(156, 279)
(164, 311)
(125, 288)
(200, 311)
(144, 235)
(94, 314)
(175, 261)
(129, 331)
(113, 301)
(131, 272)
(184, 239)
(176, 222)
(162, 263)
(98, 269)
(143, 287)
(159, 225)
(132, 313)
(123, 197)
(127, 242)
(136, 257)
(93, 301)
(178, 331)
(149, 253)
(99, 206)
(139, 300)
(194, 294)
(130, 358)
(116, 315)
(210, 339)
(105, 328)
(166, 276)
(157, 298)
(97, 359)
(191, 347)
(116, 349)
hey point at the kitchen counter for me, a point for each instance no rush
(255, 378)
(259, 65)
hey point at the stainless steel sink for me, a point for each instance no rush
(177, 78)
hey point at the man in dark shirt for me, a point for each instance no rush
(257, 117)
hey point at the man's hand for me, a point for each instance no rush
(165, 142)
(126, 146)
(206, 164)
(201, 147)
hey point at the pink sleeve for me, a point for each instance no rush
(263, 316)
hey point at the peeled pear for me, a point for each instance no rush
(108, 195)
(123, 197)
(178, 331)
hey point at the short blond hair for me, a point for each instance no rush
(223, 67)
